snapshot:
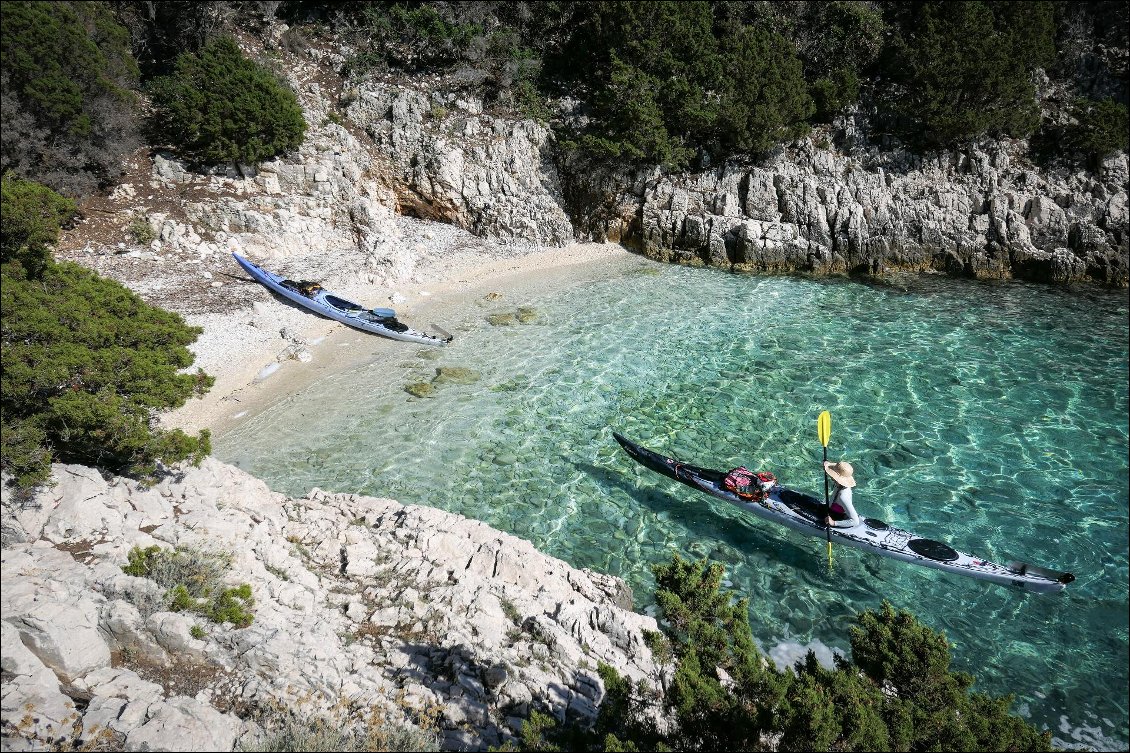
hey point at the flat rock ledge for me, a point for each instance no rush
(412, 614)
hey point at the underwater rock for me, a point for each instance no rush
(524, 315)
(501, 320)
(519, 382)
(456, 375)
(421, 389)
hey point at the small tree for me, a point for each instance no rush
(87, 364)
(896, 693)
(69, 113)
(219, 107)
(32, 215)
(963, 70)
(765, 100)
(1100, 129)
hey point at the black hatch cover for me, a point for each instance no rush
(934, 550)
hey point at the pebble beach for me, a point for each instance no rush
(271, 348)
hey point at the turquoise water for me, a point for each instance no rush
(992, 416)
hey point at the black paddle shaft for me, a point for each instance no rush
(827, 504)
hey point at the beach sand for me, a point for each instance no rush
(248, 359)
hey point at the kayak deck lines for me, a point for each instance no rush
(804, 513)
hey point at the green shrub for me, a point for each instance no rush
(664, 82)
(492, 48)
(139, 562)
(764, 100)
(963, 70)
(896, 693)
(233, 605)
(141, 231)
(180, 600)
(832, 93)
(837, 42)
(219, 107)
(30, 218)
(69, 115)
(194, 582)
(87, 365)
(1100, 129)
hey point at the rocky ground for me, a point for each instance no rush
(362, 606)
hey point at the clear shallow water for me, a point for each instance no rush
(994, 417)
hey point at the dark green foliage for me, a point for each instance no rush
(837, 42)
(493, 48)
(417, 35)
(664, 83)
(87, 364)
(764, 99)
(219, 107)
(710, 630)
(897, 692)
(32, 217)
(963, 70)
(685, 84)
(69, 115)
(1101, 128)
(162, 31)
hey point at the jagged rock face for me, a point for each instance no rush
(355, 598)
(327, 200)
(984, 212)
(980, 214)
(449, 161)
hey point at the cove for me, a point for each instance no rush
(990, 416)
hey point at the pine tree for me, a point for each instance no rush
(220, 107)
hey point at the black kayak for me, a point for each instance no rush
(805, 513)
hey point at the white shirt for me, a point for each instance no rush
(842, 495)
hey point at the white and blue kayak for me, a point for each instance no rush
(805, 513)
(310, 295)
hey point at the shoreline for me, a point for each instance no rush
(237, 351)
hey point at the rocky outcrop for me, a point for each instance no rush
(411, 611)
(981, 213)
(390, 150)
(324, 201)
(450, 161)
(382, 147)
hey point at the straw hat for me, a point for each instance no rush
(840, 473)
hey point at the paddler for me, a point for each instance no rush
(840, 505)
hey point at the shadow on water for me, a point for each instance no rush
(741, 532)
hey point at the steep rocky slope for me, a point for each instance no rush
(362, 606)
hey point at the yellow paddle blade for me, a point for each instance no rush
(824, 427)
(829, 556)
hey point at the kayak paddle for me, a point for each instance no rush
(824, 431)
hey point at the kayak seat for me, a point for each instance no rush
(806, 505)
(343, 305)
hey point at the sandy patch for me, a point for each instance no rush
(242, 348)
